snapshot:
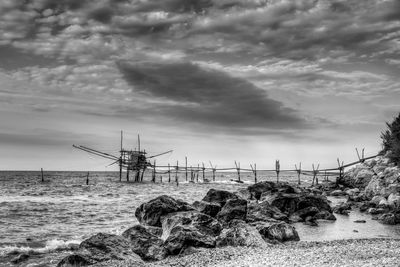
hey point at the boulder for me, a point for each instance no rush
(103, 247)
(189, 229)
(352, 192)
(377, 199)
(306, 212)
(20, 258)
(389, 218)
(76, 260)
(244, 193)
(375, 186)
(394, 200)
(374, 211)
(219, 196)
(240, 234)
(208, 208)
(148, 246)
(234, 209)
(264, 212)
(342, 208)
(325, 215)
(383, 204)
(151, 212)
(262, 187)
(281, 232)
(310, 220)
(182, 237)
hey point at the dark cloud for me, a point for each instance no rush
(176, 6)
(189, 93)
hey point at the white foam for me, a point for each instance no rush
(51, 245)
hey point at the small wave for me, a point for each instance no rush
(51, 246)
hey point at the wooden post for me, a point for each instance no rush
(298, 172)
(340, 169)
(176, 172)
(154, 172)
(213, 170)
(197, 173)
(127, 174)
(277, 169)
(237, 164)
(161, 178)
(120, 160)
(315, 173)
(87, 178)
(169, 173)
(254, 172)
(41, 170)
(361, 158)
(204, 175)
(186, 169)
(144, 169)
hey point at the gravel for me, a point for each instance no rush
(355, 252)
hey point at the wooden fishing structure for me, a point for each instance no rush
(135, 160)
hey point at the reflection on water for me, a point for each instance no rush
(345, 227)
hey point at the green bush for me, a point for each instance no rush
(391, 140)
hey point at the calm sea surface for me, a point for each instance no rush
(45, 220)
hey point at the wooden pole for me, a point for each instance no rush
(298, 172)
(154, 172)
(169, 173)
(141, 178)
(254, 170)
(213, 170)
(127, 174)
(186, 169)
(204, 175)
(277, 169)
(197, 173)
(41, 170)
(120, 160)
(176, 173)
(87, 179)
(238, 169)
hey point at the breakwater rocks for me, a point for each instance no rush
(252, 217)
(373, 187)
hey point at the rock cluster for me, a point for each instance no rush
(374, 187)
(254, 216)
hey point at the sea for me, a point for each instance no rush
(47, 220)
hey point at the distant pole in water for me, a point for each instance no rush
(197, 173)
(315, 173)
(154, 172)
(277, 169)
(120, 160)
(176, 172)
(213, 170)
(186, 169)
(169, 173)
(41, 170)
(298, 172)
(238, 169)
(127, 174)
(254, 172)
(87, 178)
(204, 176)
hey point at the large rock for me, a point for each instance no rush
(104, 247)
(358, 177)
(301, 215)
(290, 203)
(148, 246)
(375, 186)
(264, 212)
(389, 218)
(256, 190)
(234, 209)
(336, 193)
(394, 200)
(281, 232)
(219, 196)
(150, 213)
(239, 234)
(342, 208)
(182, 230)
(211, 209)
(76, 260)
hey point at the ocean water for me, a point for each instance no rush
(46, 220)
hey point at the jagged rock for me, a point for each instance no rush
(309, 220)
(375, 186)
(394, 200)
(244, 193)
(352, 192)
(189, 229)
(239, 234)
(219, 196)
(182, 237)
(262, 187)
(325, 215)
(383, 204)
(290, 203)
(279, 231)
(208, 208)
(151, 212)
(342, 208)
(148, 246)
(104, 247)
(264, 212)
(376, 211)
(366, 205)
(377, 199)
(76, 260)
(306, 212)
(234, 209)
(389, 218)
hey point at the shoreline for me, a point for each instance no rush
(344, 252)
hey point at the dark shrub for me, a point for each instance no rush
(391, 140)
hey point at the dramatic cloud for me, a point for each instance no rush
(209, 97)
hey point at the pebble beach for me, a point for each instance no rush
(352, 252)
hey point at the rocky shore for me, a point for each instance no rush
(253, 226)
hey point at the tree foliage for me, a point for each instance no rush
(391, 140)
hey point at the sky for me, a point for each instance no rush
(214, 80)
